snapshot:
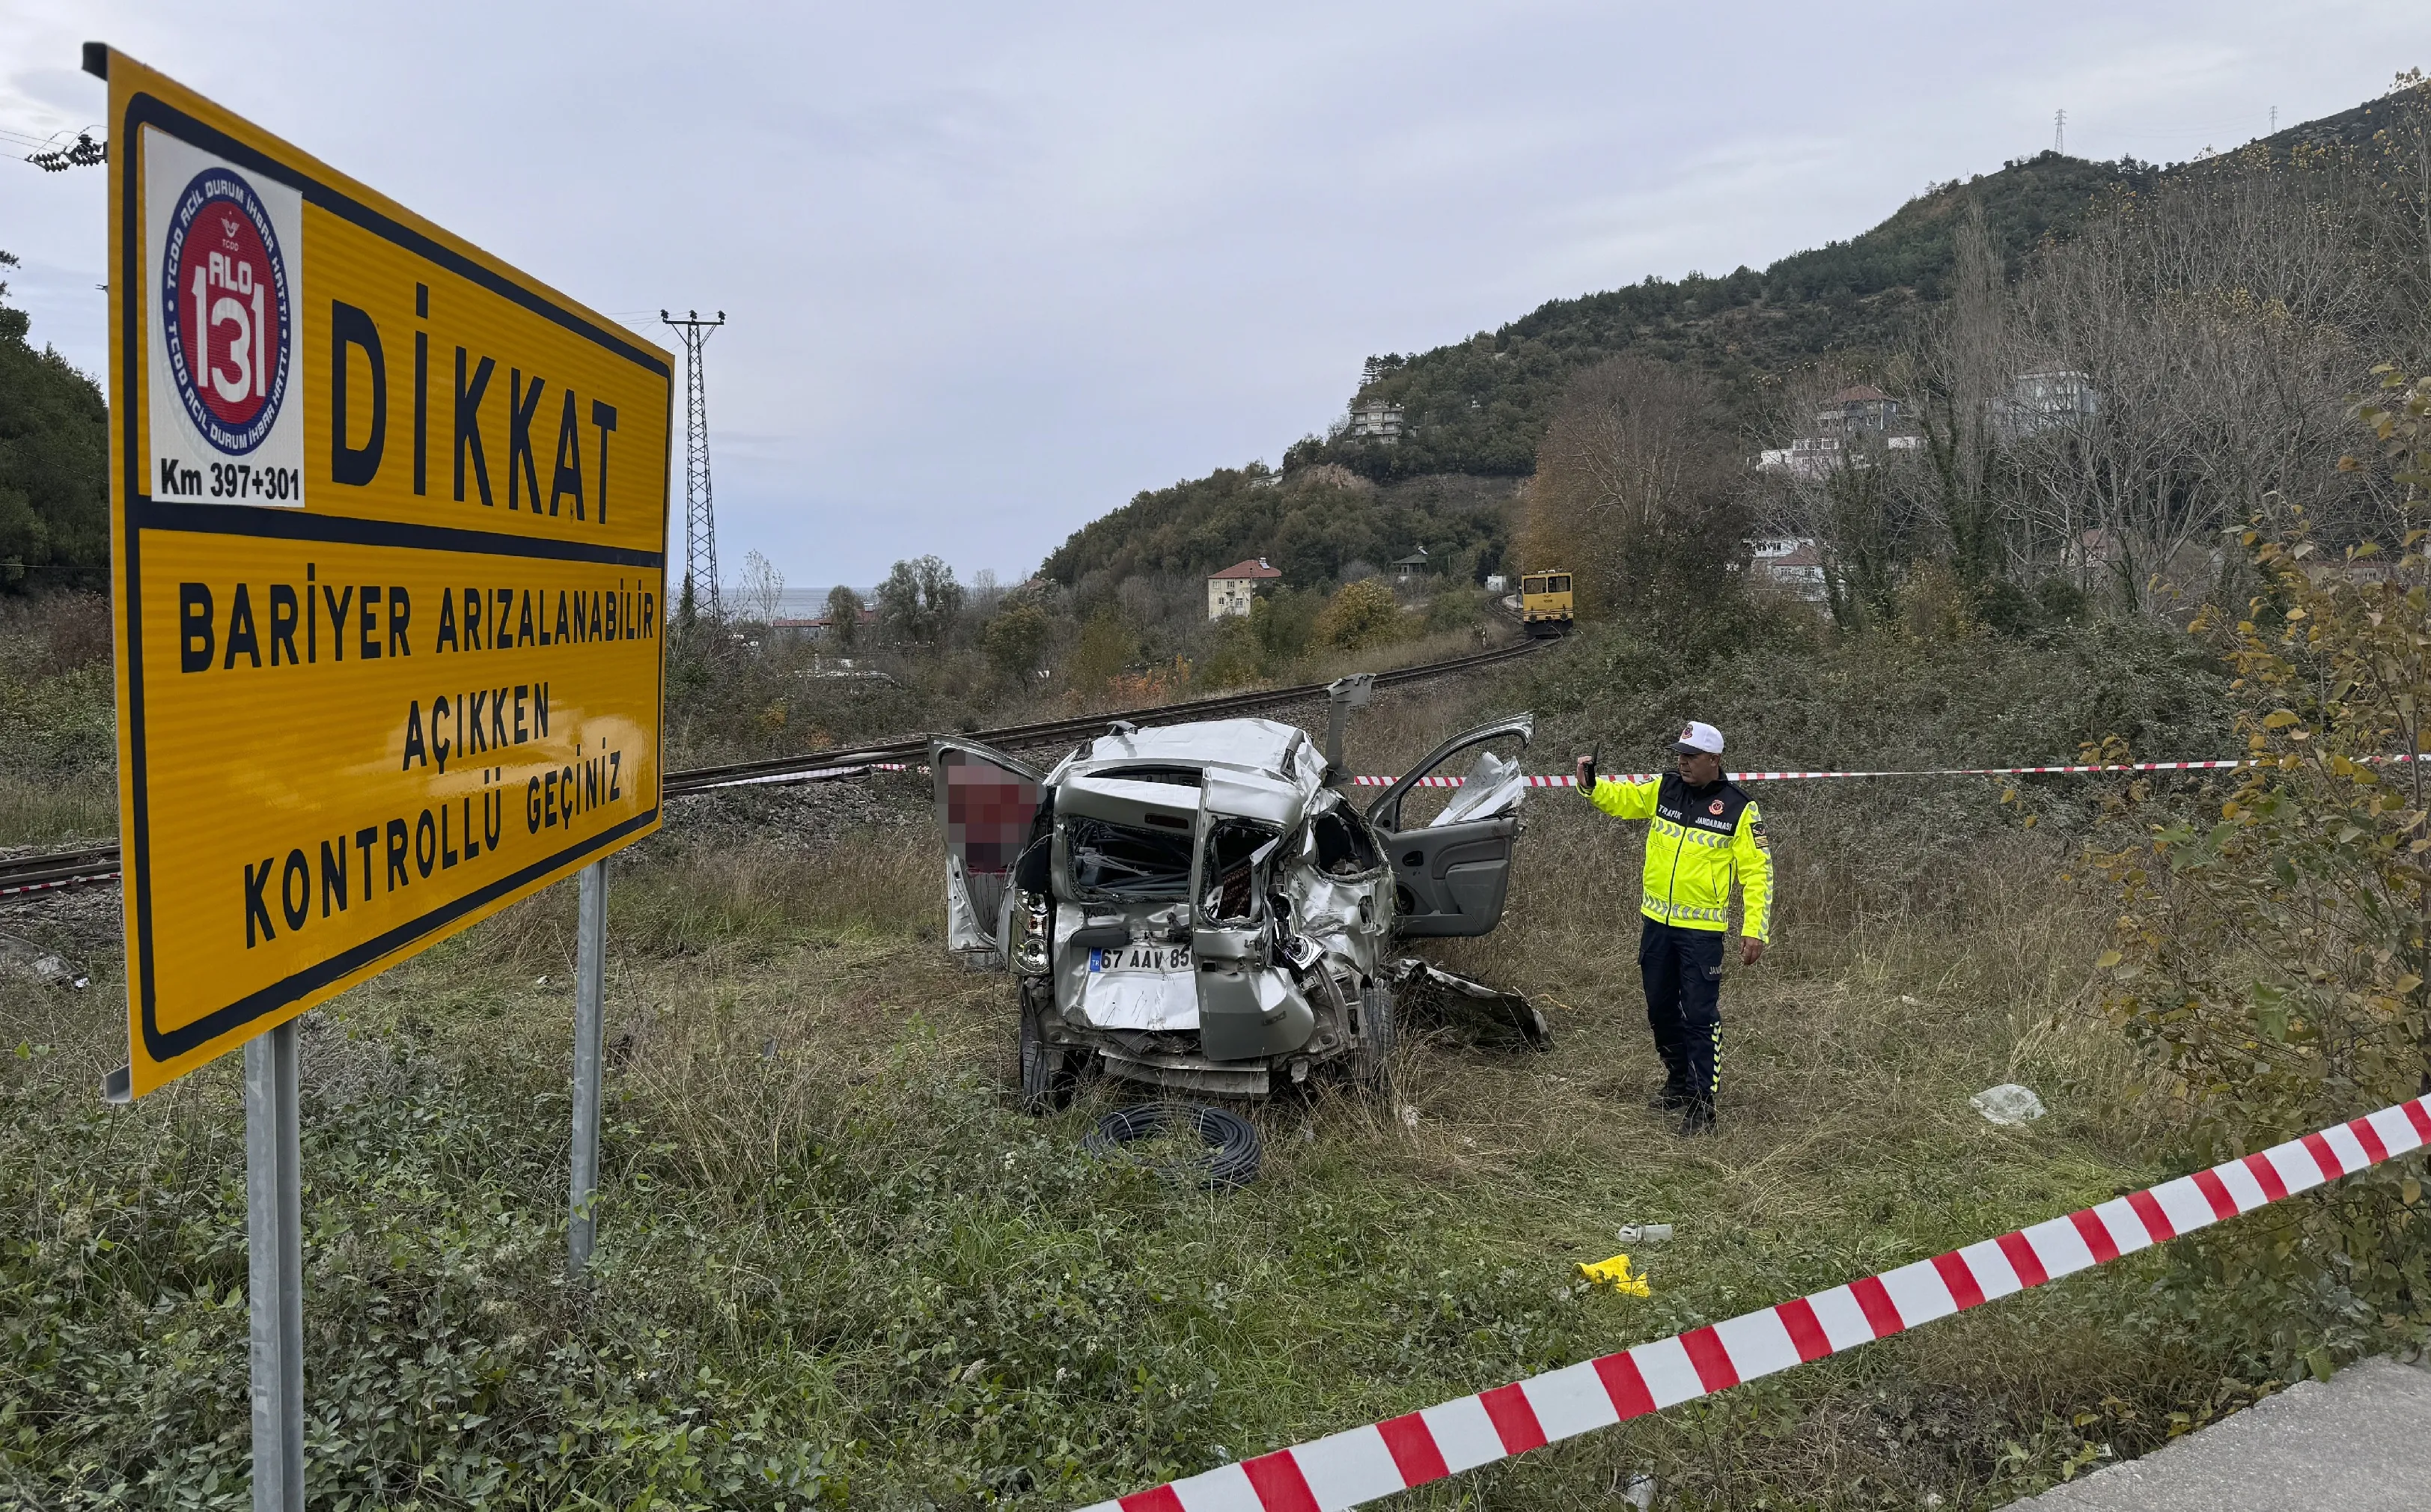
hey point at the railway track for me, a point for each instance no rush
(99, 864)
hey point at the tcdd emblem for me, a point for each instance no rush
(229, 329)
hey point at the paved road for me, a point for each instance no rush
(2359, 1443)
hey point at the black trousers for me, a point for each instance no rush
(1682, 970)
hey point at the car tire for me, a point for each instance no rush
(1379, 1037)
(1046, 1069)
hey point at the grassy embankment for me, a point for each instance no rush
(57, 734)
(836, 1265)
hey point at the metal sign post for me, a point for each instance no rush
(1342, 695)
(589, 968)
(273, 1222)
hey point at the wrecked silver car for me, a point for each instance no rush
(1209, 906)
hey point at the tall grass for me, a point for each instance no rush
(58, 728)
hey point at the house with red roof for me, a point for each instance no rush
(1235, 589)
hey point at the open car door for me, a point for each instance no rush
(988, 803)
(1454, 873)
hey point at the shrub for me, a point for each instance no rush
(1104, 645)
(1457, 607)
(2275, 966)
(1234, 658)
(1362, 614)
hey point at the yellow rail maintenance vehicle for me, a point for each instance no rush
(1545, 603)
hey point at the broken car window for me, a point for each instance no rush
(1493, 788)
(1343, 848)
(1116, 860)
(1178, 775)
(1231, 844)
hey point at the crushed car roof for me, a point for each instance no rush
(1283, 751)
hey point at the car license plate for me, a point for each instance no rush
(1129, 958)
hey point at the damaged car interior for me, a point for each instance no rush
(1213, 908)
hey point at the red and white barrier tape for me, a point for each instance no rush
(81, 879)
(1347, 1468)
(1566, 780)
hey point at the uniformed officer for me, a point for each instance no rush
(1705, 833)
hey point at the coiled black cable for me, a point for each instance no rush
(1233, 1149)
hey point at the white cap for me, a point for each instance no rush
(1698, 736)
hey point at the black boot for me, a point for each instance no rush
(1671, 1099)
(1698, 1121)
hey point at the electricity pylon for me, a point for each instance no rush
(701, 517)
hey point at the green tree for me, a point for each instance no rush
(54, 466)
(1457, 605)
(1016, 641)
(844, 617)
(919, 601)
(1869, 552)
(1235, 658)
(1285, 624)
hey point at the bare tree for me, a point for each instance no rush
(762, 590)
(2403, 174)
(1635, 490)
(2184, 362)
(1867, 506)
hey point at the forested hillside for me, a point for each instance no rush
(1477, 409)
(54, 466)
(1482, 405)
(1480, 408)
(1320, 525)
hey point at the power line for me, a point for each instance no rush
(53, 156)
(700, 518)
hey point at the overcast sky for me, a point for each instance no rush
(990, 270)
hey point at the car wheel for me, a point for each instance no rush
(1046, 1078)
(1379, 1036)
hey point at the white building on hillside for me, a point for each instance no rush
(2041, 401)
(1377, 421)
(1235, 589)
(1796, 562)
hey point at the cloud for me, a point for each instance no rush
(993, 270)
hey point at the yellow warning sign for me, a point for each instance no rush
(389, 558)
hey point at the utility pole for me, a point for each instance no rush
(2059, 132)
(700, 518)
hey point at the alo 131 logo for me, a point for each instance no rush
(230, 327)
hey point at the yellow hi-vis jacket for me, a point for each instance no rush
(1700, 840)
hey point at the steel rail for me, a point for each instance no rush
(99, 864)
(1056, 732)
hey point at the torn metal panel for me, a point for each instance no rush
(1250, 1082)
(1487, 1018)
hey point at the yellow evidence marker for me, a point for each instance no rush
(1615, 1273)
